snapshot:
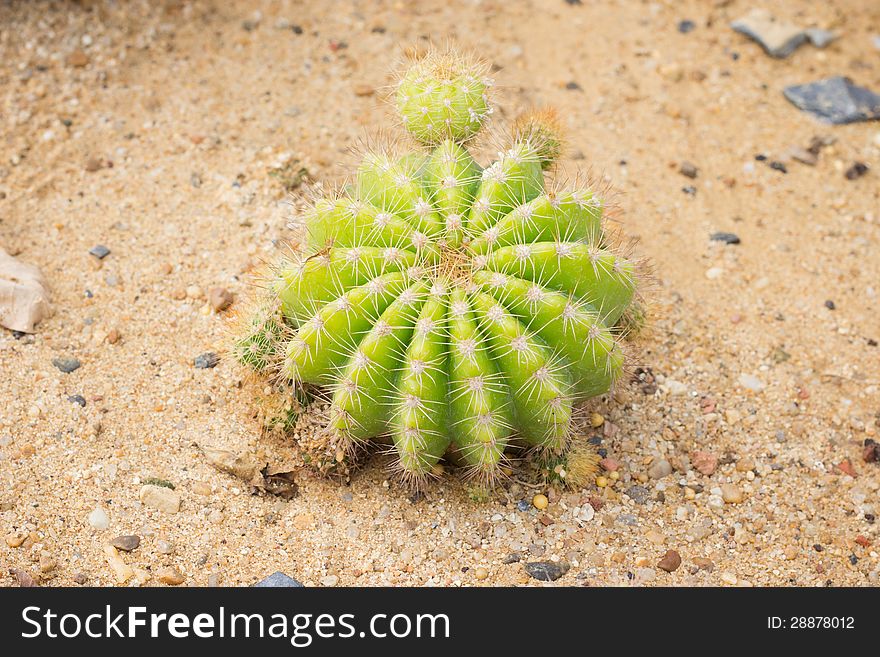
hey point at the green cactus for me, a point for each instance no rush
(450, 310)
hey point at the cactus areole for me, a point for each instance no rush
(448, 309)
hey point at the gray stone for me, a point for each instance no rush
(99, 251)
(659, 469)
(835, 100)
(98, 519)
(66, 365)
(727, 238)
(126, 543)
(546, 571)
(206, 361)
(278, 580)
(161, 498)
(779, 39)
(638, 494)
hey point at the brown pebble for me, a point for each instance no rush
(609, 464)
(846, 468)
(670, 561)
(688, 170)
(113, 336)
(126, 543)
(93, 164)
(77, 58)
(15, 539)
(220, 298)
(178, 295)
(363, 90)
(80, 578)
(704, 564)
(704, 462)
(47, 564)
(170, 576)
(23, 578)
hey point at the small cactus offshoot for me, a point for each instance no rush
(453, 311)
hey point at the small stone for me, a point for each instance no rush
(164, 547)
(329, 580)
(220, 298)
(609, 464)
(686, 26)
(77, 399)
(121, 570)
(546, 571)
(714, 272)
(98, 519)
(206, 360)
(540, 502)
(481, 573)
(363, 90)
(99, 251)
(857, 170)
(753, 383)
(67, 365)
(659, 469)
(847, 468)
(170, 576)
(638, 494)
(704, 564)
(836, 100)
(729, 578)
(47, 564)
(596, 420)
(126, 543)
(704, 462)
(802, 155)
(15, 539)
(731, 494)
(77, 59)
(670, 561)
(727, 238)
(80, 578)
(161, 498)
(278, 580)
(23, 578)
(113, 336)
(688, 170)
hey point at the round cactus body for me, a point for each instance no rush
(449, 310)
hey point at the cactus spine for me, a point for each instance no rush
(450, 310)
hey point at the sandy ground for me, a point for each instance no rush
(155, 129)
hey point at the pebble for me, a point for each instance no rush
(546, 571)
(278, 580)
(47, 564)
(751, 382)
(731, 494)
(77, 59)
(670, 561)
(15, 539)
(540, 502)
(99, 251)
(329, 580)
(638, 494)
(857, 170)
(729, 578)
(481, 573)
(714, 272)
(688, 170)
(363, 90)
(121, 570)
(686, 26)
(98, 519)
(206, 360)
(161, 498)
(836, 100)
(126, 543)
(164, 547)
(66, 365)
(220, 298)
(170, 576)
(727, 238)
(704, 462)
(660, 469)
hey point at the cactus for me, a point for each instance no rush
(448, 310)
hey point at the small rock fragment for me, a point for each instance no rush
(857, 170)
(24, 299)
(220, 298)
(670, 561)
(704, 462)
(121, 570)
(23, 578)
(126, 543)
(170, 576)
(98, 519)
(778, 39)
(727, 238)
(99, 251)
(161, 498)
(836, 100)
(731, 494)
(546, 571)
(278, 580)
(659, 469)
(66, 365)
(206, 360)
(77, 59)
(688, 170)
(638, 494)
(753, 383)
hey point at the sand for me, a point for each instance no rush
(166, 133)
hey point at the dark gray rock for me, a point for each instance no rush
(77, 399)
(727, 238)
(546, 571)
(66, 365)
(206, 360)
(126, 543)
(638, 494)
(835, 100)
(99, 251)
(278, 580)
